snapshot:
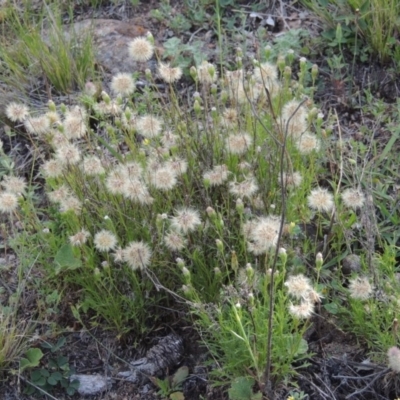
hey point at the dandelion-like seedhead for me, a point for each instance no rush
(169, 74)
(304, 310)
(68, 154)
(130, 170)
(353, 198)
(360, 288)
(243, 189)
(264, 234)
(265, 72)
(238, 143)
(294, 119)
(118, 255)
(174, 241)
(8, 202)
(115, 182)
(321, 200)
(185, 220)
(298, 286)
(123, 84)
(112, 108)
(136, 191)
(137, 255)
(79, 238)
(77, 112)
(141, 49)
(37, 125)
(14, 184)
(217, 176)
(394, 358)
(149, 126)
(178, 166)
(57, 195)
(207, 73)
(163, 178)
(71, 203)
(17, 112)
(104, 240)
(307, 143)
(169, 139)
(91, 165)
(74, 126)
(229, 118)
(292, 180)
(58, 139)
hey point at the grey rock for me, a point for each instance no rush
(351, 264)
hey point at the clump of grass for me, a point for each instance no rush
(221, 205)
(29, 52)
(374, 22)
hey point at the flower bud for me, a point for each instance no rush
(239, 205)
(51, 105)
(314, 72)
(210, 212)
(283, 255)
(267, 51)
(319, 260)
(290, 56)
(105, 97)
(193, 72)
(234, 261)
(281, 63)
(180, 262)
(249, 271)
(196, 106)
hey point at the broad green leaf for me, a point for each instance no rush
(303, 348)
(179, 376)
(65, 259)
(177, 396)
(33, 357)
(332, 308)
(52, 381)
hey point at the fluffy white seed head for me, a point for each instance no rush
(14, 184)
(123, 84)
(185, 220)
(104, 240)
(169, 74)
(8, 202)
(321, 200)
(353, 198)
(141, 49)
(17, 112)
(137, 255)
(360, 288)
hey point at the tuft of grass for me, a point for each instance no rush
(37, 46)
(375, 22)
